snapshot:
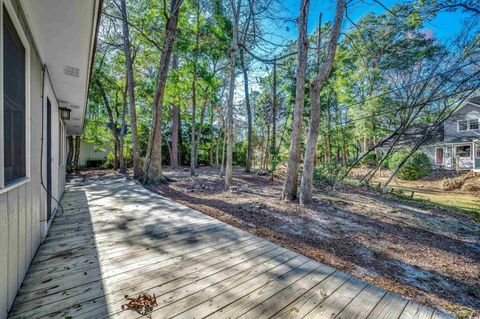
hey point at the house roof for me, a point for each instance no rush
(475, 100)
(416, 132)
(64, 32)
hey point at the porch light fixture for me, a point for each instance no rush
(65, 113)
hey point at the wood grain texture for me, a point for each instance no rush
(114, 241)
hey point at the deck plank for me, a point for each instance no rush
(111, 242)
(308, 301)
(415, 311)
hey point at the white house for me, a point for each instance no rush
(457, 145)
(46, 51)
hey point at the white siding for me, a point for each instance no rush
(90, 152)
(23, 208)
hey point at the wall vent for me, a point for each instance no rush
(71, 71)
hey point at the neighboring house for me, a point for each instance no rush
(454, 144)
(46, 51)
(91, 155)
(458, 146)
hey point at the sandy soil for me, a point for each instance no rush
(430, 256)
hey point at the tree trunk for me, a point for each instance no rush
(212, 138)
(267, 148)
(113, 126)
(318, 82)
(153, 159)
(217, 157)
(223, 152)
(77, 153)
(70, 154)
(175, 125)
(328, 140)
(273, 146)
(194, 94)
(137, 170)
(231, 93)
(121, 153)
(248, 163)
(199, 132)
(290, 185)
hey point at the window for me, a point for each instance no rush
(462, 126)
(474, 124)
(463, 151)
(14, 103)
(439, 156)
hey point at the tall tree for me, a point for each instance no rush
(112, 124)
(290, 185)
(137, 170)
(194, 91)
(235, 7)
(175, 123)
(248, 163)
(152, 171)
(316, 86)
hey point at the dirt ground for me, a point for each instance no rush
(432, 256)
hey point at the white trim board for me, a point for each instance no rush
(23, 38)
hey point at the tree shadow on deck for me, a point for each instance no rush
(354, 252)
(66, 269)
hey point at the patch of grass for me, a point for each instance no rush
(428, 203)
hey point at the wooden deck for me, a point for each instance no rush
(116, 238)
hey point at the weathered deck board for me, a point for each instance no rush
(116, 238)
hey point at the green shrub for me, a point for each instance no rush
(327, 173)
(108, 163)
(416, 167)
(369, 160)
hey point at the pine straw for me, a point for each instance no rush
(143, 304)
(472, 185)
(449, 184)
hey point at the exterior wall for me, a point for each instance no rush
(451, 125)
(23, 208)
(449, 157)
(90, 152)
(430, 150)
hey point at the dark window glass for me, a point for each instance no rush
(13, 102)
(462, 126)
(464, 151)
(474, 124)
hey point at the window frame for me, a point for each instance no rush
(468, 128)
(470, 122)
(23, 38)
(458, 126)
(443, 155)
(463, 145)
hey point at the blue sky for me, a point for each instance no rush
(444, 26)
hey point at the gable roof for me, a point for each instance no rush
(416, 132)
(475, 101)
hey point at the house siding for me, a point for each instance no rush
(90, 152)
(430, 150)
(23, 208)
(451, 125)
